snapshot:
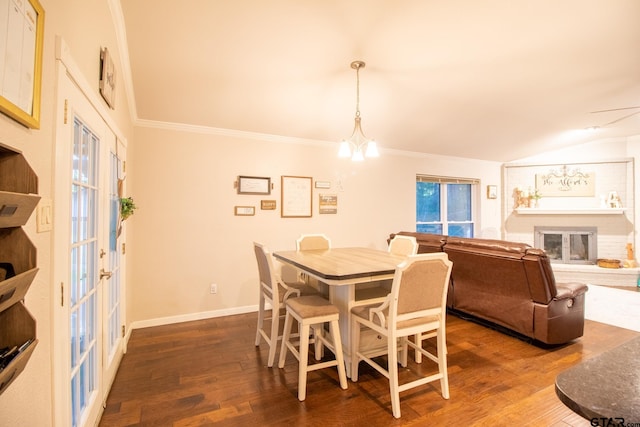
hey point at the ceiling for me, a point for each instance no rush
(494, 79)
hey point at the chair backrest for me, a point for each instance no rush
(309, 242)
(268, 280)
(419, 288)
(403, 245)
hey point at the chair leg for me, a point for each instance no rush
(442, 362)
(355, 346)
(404, 351)
(288, 320)
(392, 348)
(260, 319)
(318, 348)
(273, 338)
(304, 360)
(418, 341)
(334, 328)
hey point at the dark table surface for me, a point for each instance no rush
(606, 386)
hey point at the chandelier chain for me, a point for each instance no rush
(358, 91)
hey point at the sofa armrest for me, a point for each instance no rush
(570, 290)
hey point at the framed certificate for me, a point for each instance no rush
(296, 197)
(21, 67)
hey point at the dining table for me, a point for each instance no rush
(355, 276)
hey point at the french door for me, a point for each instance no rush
(87, 338)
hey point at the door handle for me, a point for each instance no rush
(104, 274)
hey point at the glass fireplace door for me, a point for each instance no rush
(568, 245)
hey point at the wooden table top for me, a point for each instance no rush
(340, 264)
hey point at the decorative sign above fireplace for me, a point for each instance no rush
(566, 182)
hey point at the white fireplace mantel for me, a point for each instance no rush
(576, 211)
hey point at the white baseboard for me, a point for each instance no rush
(192, 316)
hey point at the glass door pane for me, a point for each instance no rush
(113, 284)
(579, 247)
(552, 245)
(84, 268)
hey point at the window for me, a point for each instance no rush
(445, 205)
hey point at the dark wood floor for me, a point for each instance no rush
(210, 373)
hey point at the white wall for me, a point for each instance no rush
(185, 235)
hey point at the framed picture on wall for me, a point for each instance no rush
(296, 197)
(244, 210)
(253, 185)
(492, 191)
(327, 203)
(107, 78)
(21, 65)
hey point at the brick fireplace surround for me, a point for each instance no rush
(615, 225)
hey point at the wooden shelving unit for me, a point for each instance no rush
(18, 199)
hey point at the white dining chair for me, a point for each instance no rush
(403, 245)
(400, 245)
(312, 312)
(275, 292)
(308, 242)
(416, 305)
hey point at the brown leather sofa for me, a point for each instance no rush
(511, 285)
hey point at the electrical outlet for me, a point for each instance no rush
(214, 288)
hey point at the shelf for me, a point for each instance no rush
(18, 328)
(16, 208)
(577, 211)
(18, 188)
(15, 173)
(18, 200)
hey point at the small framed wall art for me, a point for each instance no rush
(244, 210)
(253, 185)
(492, 191)
(327, 203)
(107, 78)
(268, 205)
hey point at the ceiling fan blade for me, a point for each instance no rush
(621, 118)
(615, 109)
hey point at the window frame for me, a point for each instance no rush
(444, 222)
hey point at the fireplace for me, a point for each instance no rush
(568, 245)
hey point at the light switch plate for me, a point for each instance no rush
(44, 215)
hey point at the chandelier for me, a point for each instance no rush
(358, 146)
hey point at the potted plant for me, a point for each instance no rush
(127, 207)
(535, 196)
